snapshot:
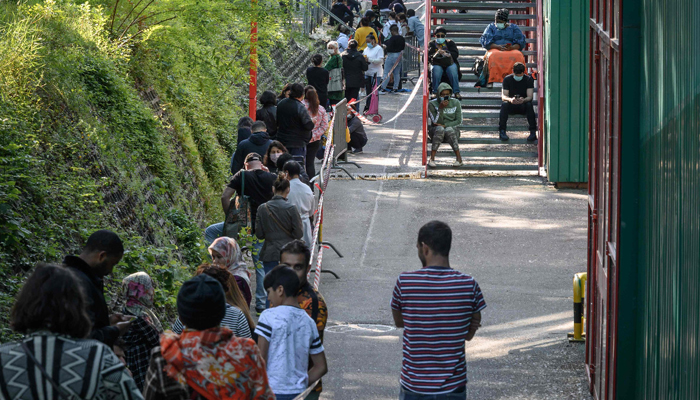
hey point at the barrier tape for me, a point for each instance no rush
(398, 114)
(378, 86)
(306, 392)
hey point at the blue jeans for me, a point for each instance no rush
(452, 76)
(286, 396)
(213, 232)
(268, 266)
(459, 394)
(390, 60)
(260, 293)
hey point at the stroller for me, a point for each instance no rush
(373, 111)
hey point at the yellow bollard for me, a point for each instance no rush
(579, 296)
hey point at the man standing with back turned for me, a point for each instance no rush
(439, 308)
(294, 124)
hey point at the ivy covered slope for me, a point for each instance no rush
(120, 118)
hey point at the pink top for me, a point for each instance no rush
(320, 122)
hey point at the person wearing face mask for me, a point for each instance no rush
(301, 196)
(374, 54)
(444, 59)
(334, 66)
(343, 38)
(274, 151)
(518, 91)
(503, 42)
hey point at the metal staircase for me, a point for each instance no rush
(480, 147)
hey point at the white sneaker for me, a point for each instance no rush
(431, 164)
(457, 164)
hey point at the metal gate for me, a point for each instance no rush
(604, 196)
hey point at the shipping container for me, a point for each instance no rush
(643, 336)
(566, 98)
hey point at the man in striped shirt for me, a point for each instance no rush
(439, 308)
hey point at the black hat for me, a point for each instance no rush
(201, 303)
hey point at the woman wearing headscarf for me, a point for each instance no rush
(226, 254)
(504, 43)
(136, 297)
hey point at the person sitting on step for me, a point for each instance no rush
(518, 91)
(445, 118)
(503, 42)
(444, 58)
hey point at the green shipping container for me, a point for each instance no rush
(566, 90)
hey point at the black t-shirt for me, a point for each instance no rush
(258, 187)
(395, 44)
(318, 77)
(514, 87)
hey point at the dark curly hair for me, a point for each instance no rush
(51, 299)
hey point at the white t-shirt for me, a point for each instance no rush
(293, 336)
(375, 57)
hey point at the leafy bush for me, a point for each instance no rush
(81, 150)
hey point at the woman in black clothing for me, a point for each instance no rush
(318, 77)
(285, 91)
(268, 112)
(275, 150)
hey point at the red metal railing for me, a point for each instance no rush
(426, 81)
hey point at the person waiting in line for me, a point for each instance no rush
(103, 250)
(434, 331)
(136, 297)
(354, 6)
(320, 118)
(373, 23)
(288, 337)
(301, 196)
(343, 38)
(362, 32)
(258, 142)
(237, 317)
(397, 6)
(297, 256)
(284, 93)
(415, 26)
(318, 77)
(205, 360)
(284, 159)
(268, 113)
(258, 189)
(445, 118)
(277, 223)
(334, 66)
(51, 310)
(244, 131)
(358, 137)
(294, 124)
(225, 253)
(341, 10)
(394, 48)
(504, 43)
(354, 66)
(517, 94)
(386, 30)
(403, 23)
(274, 150)
(443, 55)
(374, 54)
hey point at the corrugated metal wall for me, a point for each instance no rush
(668, 365)
(566, 99)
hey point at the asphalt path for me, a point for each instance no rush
(520, 238)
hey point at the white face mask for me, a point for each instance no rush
(331, 51)
(274, 157)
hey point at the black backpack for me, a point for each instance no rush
(478, 67)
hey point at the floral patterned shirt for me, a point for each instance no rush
(320, 122)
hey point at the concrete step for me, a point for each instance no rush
(491, 129)
(446, 150)
(493, 102)
(481, 5)
(487, 114)
(474, 42)
(481, 52)
(488, 167)
(467, 60)
(478, 28)
(493, 141)
(473, 16)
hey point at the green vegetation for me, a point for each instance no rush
(86, 144)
